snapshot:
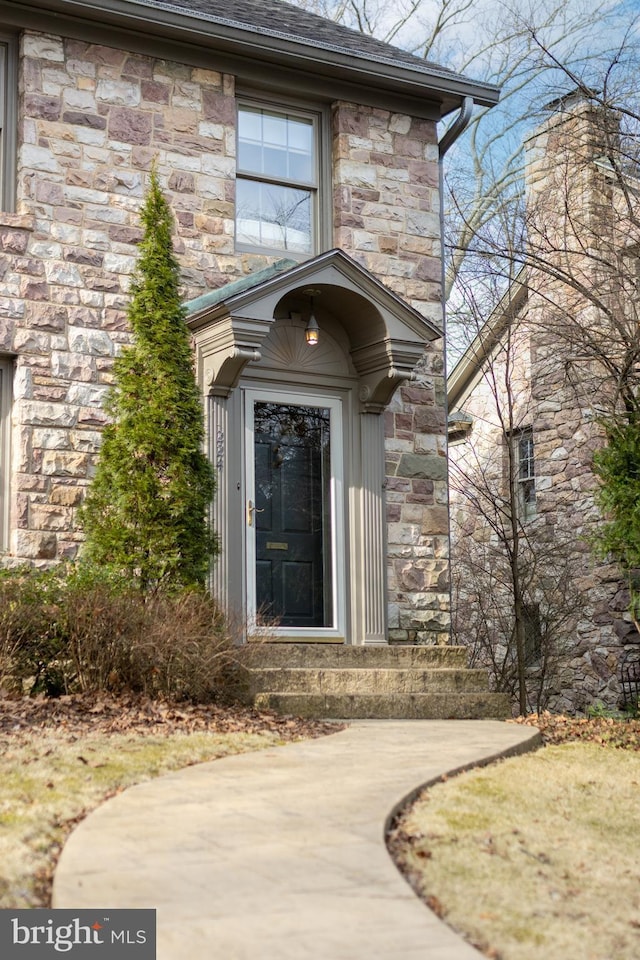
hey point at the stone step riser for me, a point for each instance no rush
(454, 706)
(367, 681)
(339, 655)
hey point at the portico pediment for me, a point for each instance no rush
(386, 337)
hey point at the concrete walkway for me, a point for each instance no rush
(280, 854)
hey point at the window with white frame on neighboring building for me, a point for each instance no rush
(277, 179)
(8, 120)
(525, 473)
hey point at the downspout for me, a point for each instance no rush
(450, 136)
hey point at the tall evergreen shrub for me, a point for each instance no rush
(145, 515)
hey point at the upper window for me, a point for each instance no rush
(525, 473)
(8, 112)
(277, 180)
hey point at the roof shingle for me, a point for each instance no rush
(279, 19)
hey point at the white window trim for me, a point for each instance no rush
(321, 226)
(334, 404)
(527, 509)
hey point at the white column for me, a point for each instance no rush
(373, 530)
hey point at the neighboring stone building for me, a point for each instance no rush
(301, 162)
(524, 403)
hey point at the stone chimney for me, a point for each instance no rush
(577, 132)
(567, 175)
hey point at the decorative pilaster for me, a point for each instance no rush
(373, 530)
(217, 433)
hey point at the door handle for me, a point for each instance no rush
(251, 509)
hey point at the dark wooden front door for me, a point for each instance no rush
(292, 514)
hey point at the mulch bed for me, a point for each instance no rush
(608, 732)
(80, 714)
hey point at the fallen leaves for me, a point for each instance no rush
(78, 714)
(605, 731)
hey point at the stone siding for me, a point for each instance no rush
(568, 393)
(567, 435)
(581, 667)
(387, 216)
(92, 121)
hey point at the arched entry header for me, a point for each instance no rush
(386, 336)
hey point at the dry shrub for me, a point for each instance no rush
(104, 620)
(31, 645)
(183, 650)
(83, 629)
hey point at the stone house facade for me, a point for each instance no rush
(525, 401)
(301, 163)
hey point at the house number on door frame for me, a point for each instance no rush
(219, 449)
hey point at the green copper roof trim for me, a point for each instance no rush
(238, 286)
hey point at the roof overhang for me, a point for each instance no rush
(386, 336)
(247, 52)
(469, 367)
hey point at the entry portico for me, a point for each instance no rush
(296, 436)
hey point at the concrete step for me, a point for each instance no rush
(417, 706)
(343, 682)
(266, 654)
(365, 680)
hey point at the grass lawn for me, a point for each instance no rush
(536, 856)
(61, 758)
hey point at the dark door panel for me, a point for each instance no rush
(292, 516)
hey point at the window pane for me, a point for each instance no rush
(532, 633)
(300, 167)
(300, 143)
(274, 162)
(301, 135)
(268, 215)
(526, 460)
(250, 124)
(274, 129)
(249, 155)
(524, 467)
(276, 145)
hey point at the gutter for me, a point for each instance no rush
(450, 136)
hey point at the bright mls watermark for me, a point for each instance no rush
(79, 934)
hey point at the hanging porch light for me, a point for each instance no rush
(312, 330)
